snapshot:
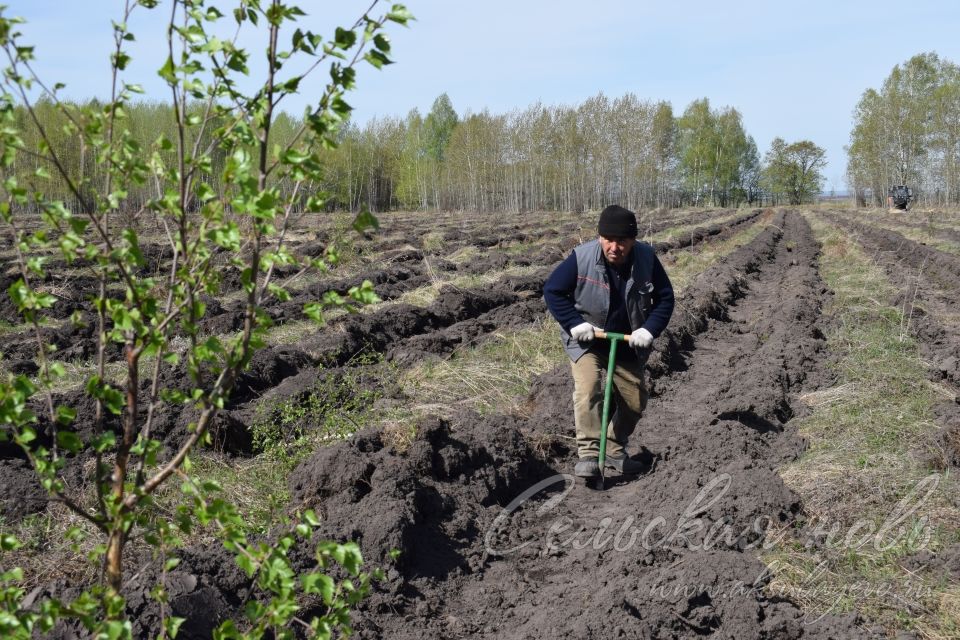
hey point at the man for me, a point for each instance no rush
(616, 284)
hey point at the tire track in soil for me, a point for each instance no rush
(719, 419)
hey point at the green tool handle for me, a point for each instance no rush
(608, 390)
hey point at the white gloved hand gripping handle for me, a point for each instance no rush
(583, 332)
(641, 339)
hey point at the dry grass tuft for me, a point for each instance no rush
(829, 396)
(492, 377)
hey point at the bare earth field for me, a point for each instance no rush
(800, 445)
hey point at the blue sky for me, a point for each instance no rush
(794, 70)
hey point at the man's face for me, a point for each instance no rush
(616, 248)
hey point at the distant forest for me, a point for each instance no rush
(570, 158)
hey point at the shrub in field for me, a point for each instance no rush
(221, 136)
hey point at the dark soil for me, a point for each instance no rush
(720, 419)
(939, 267)
(667, 554)
(20, 492)
(711, 232)
(655, 222)
(392, 274)
(929, 226)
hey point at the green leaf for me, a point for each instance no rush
(377, 59)
(9, 543)
(364, 294)
(316, 202)
(314, 311)
(319, 584)
(365, 220)
(247, 564)
(399, 14)
(103, 441)
(117, 629)
(351, 558)
(168, 71)
(26, 436)
(205, 192)
(344, 38)
(112, 399)
(172, 625)
(382, 42)
(294, 156)
(69, 441)
(65, 415)
(278, 292)
(226, 236)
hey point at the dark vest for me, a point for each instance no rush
(592, 295)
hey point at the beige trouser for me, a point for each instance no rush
(627, 402)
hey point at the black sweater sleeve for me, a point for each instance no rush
(662, 300)
(558, 293)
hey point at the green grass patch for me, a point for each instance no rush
(288, 430)
(865, 457)
(432, 242)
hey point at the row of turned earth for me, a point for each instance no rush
(403, 333)
(925, 288)
(401, 270)
(435, 500)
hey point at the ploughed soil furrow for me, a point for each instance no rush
(651, 225)
(671, 553)
(928, 283)
(406, 333)
(399, 271)
(403, 333)
(933, 319)
(494, 539)
(711, 232)
(933, 228)
(940, 267)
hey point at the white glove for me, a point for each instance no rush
(641, 339)
(583, 332)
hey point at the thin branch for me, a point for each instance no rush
(41, 352)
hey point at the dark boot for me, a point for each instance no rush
(623, 463)
(587, 468)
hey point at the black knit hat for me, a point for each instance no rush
(615, 221)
